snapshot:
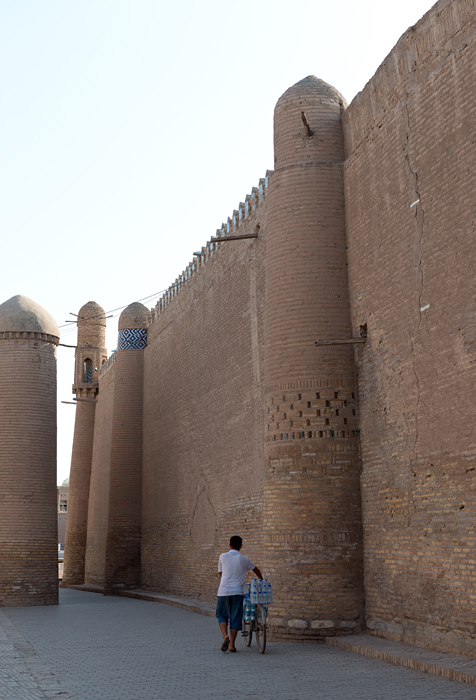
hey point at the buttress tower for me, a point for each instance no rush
(312, 521)
(89, 357)
(28, 519)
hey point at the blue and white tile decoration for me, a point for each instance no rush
(89, 374)
(132, 339)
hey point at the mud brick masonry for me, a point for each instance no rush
(28, 518)
(348, 466)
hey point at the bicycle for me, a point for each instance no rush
(258, 622)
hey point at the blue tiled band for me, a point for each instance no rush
(132, 339)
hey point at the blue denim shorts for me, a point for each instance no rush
(230, 607)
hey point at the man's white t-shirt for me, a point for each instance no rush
(233, 567)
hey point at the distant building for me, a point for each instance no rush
(62, 507)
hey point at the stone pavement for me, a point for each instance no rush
(92, 647)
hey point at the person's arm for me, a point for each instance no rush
(258, 572)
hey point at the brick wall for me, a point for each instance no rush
(28, 514)
(203, 426)
(98, 508)
(410, 183)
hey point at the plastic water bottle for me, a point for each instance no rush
(269, 592)
(254, 592)
(260, 591)
(246, 602)
(264, 587)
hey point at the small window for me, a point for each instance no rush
(87, 371)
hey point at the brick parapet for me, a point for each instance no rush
(237, 224)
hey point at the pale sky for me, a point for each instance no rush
(130, 130)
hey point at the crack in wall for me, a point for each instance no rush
(419, 216)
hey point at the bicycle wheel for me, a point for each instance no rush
(247, 632)
(260, 628)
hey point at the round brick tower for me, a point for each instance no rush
(90, 355)
(312, 522)
(28, 512)
(125, 482)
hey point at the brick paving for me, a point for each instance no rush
(92, 647)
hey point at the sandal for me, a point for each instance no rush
(226, 644)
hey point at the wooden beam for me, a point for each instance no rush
(345, 341)
(307, 126)
(234, 238)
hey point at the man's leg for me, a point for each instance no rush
(223, 615)
(233, 634)
(236, 616)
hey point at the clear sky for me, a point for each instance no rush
(131, 129)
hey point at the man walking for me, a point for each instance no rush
(232, 568)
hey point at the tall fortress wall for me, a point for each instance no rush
(203, 413)
(348, 469)
(410, 212)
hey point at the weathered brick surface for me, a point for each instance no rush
(203, 427)
(98, 508)
(28, 519)
(312, 521)
(410, 137)
(125, 472)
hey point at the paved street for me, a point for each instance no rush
(92, 647)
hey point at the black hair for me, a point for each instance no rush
(236, 542)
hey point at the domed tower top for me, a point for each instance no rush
(135, 315)
(21, 314)
(133, 325)
(91, 325)
(307, 124)
(90, 352)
